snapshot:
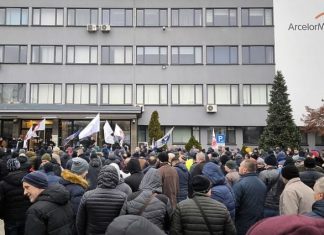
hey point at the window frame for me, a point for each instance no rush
(264, 17)
(181, 127)
(20, 19)
(194, 17)
(23, 86)
(160, 91)
(160, 55)
(54, 95)
(124, 94)
(195, 95)
(268, 92)
(229, 53)
(55, 54)
(110, 46)
(159, 16)
(179, 55)
(265, 53)
(74, 63)
(231, 91)
(75, 16)
(40, 17)
(125, 16)
(221, 8)
(73, 95)
(219, 129)
(3, 49)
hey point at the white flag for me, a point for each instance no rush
(164, 140)
(119, 132)
(109, 139)
(214, 142)
(28, 135)
(40, 126)
(91, 128)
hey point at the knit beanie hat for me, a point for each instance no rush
(231, 164)
(37, 178)
(309, 162)
(289, 172)
(271, 160)
(79, 165)
(200, 183)
(46, 157)
(13, 164)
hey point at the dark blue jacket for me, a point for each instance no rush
(220, 190)
(184, 178)
(317, 210)
(250, 194)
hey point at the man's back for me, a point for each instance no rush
(170, 182)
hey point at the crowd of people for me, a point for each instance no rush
(109, 190)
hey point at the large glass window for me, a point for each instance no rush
(152, 94)
(186, 17)
(151, 17)
(221, 17)
(187, 94)
(13, 54)
(12, 93)
(116, 94)
(117, 17)
(181, 135)
(257, 17)
(319, 139)
(81, 54)
(152, 55)
(228, 132)
(46, 93)
(252, 134)
(47, 54)
(256, 94)
(186, 55)
(82, 17)
(258, 54)
(223, 94)
(13, 16)
(116, 55)
(222, 55)
(81, 94)
(48, 16)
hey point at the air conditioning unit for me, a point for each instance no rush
(105, 28)
(92, 28)
(211, 108)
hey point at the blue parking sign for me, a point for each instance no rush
(220, 139)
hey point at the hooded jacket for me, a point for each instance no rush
(184, 181)
(51, 213)
(134, 180)
(122, 186)
(158, 210)
(100, 206)
(94, 168)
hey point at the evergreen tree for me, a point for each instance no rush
(154, 127)
(280, 130)
(192, 142)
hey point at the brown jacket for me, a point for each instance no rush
(170, 182)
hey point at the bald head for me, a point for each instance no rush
(200, 157)
(247, 166)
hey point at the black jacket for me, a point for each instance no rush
(317, 210)
(134, 180)
(51, 213)
(184, 181)
(94, 168)
(309, 176)
(13, 203)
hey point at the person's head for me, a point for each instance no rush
(46, 157)
(34, 184)
(271, 160)
(247, 166)
(230, 166)
(163, 157)
(171, 156)
(289, 172)
(152, 160)
(200, 157)
(201, 184)
(13, 164)
(175, 161)
(309, 162)
(319, 189)
(80, 166)
(48, 167)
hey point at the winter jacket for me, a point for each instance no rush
(122, 186)
(170, 182)
(64, 159)
(100, 206)
(156, 208)
(94, 168)
(184, 181)
(188, 219)
(309, 176)
(297, 198)
(52, 178)
(232, 177)
(250, 194)
(317, 210)
(132, 225)
(220, 190)
(134, 180)
(13, 203)
(51, 213)
(76, 185)
(275, 186)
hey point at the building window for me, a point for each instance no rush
(13, 54)
(6, 129)
(186, 17)
(117, 17)
(304, 138)
(116, 94)
(82, 17)
(13, 16)
(256, 94)
(116, 55)
(46, 93)
(47, 54)
(142, 134)
(181, 135)
(12, 93)
(319, 139)
(81, 94)
(223, 94)
(152, 94)
(228, 132)
(186, 55)
(252, 134)
(187, 94)
(222, 55)
(48, 16)
(81, 54)
(258, 54)
(257, 17)
(221, 17)
(151, 17)
(152, 55)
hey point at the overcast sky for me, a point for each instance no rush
(300, 54)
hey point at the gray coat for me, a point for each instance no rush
(158, 209)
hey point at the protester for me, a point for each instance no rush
(184, 178)
(134, 168)
(93, 171)
(318, 206)
(122, 186)
(310, 175)
(49, 171)
(232, 175)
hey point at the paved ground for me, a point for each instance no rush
(1, 228)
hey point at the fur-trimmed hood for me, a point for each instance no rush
(70, 178)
